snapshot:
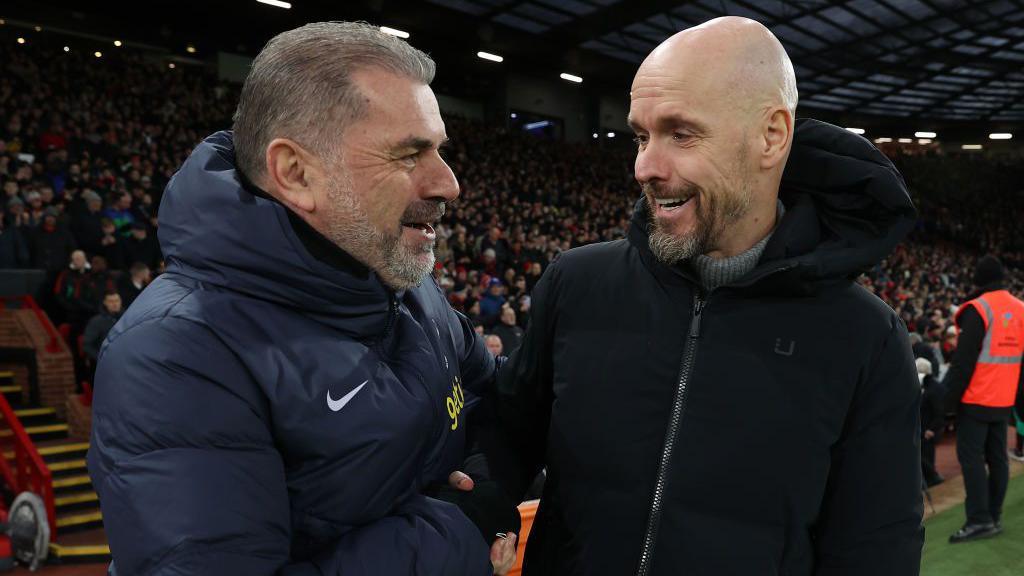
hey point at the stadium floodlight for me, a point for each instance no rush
(1000, 136)
(905, 140)
(117, 43)
(38, 29)
(882, 140)
(925, 134)
(278, 3)
(21, 40)
(596, 134)
(171, 65)
(67, 49)
(611, 134)
(513, 115)
(856, 130)
(924, 141)
(971, 147)
(489, 56)
(570, 77)
(395, 32)
(98, 54)
(190, 49)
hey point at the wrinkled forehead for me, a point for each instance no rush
(706, 85)
(663, 103)
(397, 104)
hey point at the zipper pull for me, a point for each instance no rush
(698, 308)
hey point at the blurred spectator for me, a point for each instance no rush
(491, 302)
(98, 326)
(498, 246)
(112, 245)
(51, 244)
(120, 213)
(141, 247)
(87, 222)
(132, 284)
(13, 247)
(511, 335)
(924, 350)
(494, 344)
(76, 292)
(35, 210)
(932, 420)
(103, 281)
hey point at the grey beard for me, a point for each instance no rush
(350, 229)
(669, 249)
(402, 271)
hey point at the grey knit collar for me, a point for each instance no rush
(715, 272)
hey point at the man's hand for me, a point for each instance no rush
(460, 481)
(503, 551)
(503, 554)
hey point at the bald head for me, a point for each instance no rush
(713, 110)
(731, 57)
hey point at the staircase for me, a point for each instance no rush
(79, 529)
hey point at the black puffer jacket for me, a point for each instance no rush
(769, 427)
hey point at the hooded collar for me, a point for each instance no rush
(217, 230)
(846, 209)
(315, 243)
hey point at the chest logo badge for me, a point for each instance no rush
(338, 404)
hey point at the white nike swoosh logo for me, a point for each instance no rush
(338, 404)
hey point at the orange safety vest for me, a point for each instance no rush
(997, 373)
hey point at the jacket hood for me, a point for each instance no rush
(847, 207)
(216, 230)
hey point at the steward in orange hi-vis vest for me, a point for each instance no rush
(997, 372)
(983, 381)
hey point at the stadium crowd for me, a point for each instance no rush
(87, 146)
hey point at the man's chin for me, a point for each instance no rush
(408, 267)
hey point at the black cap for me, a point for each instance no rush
(989, 271)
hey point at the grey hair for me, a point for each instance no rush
(300, 87)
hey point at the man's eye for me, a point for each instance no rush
(679, 136)
(640, 140)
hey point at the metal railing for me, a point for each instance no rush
(29, 472)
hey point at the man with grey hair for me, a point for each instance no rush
(715, 394)
(292, 395)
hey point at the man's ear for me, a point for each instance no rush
(291, 171)
(777, 138)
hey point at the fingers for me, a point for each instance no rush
(503, 554)
(460, 481)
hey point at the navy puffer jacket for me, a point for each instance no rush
(259, 411)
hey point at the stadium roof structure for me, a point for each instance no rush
(928, 63)
(953, 60)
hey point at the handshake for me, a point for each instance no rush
(489, 508)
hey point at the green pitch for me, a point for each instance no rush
(999, 556)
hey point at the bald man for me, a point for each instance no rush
(715, 394)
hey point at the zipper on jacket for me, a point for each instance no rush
(392, 316)
(675, 419)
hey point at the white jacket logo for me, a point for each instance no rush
(338, 404)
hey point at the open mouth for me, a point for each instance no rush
(424, 227)
(671, 204)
